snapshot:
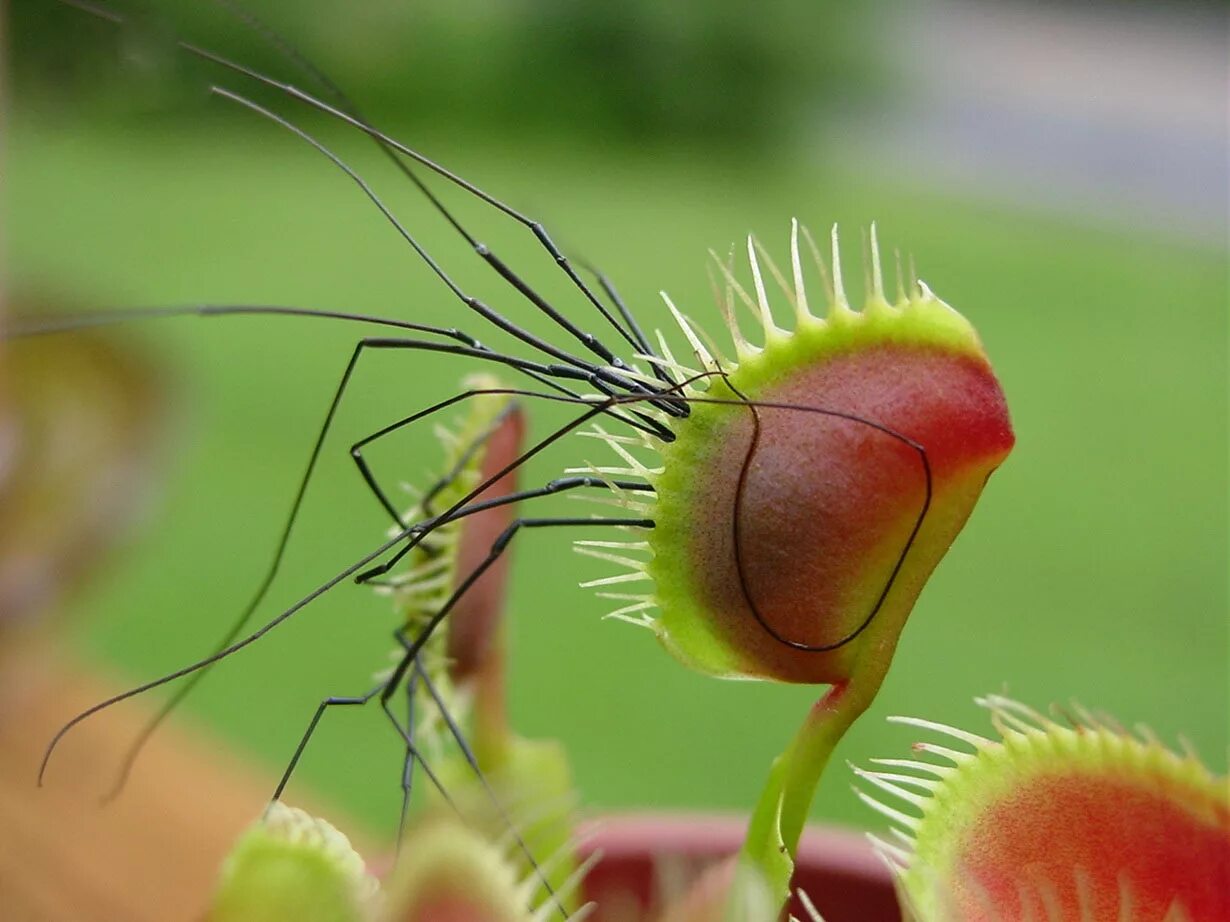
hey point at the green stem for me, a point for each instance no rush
(778, 820)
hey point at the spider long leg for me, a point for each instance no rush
(630, 331)
(642, 341)
(464, 458)
(356, 450)
(349, 571)
(19, 327)
(473, 303)
(262, 589)
(416, 535)
(408, 763)
(560, 485)
(413, 751)
(638, 340)
(653, 426)
(497, 548)
(416, 756)
(356, 701)
(325, 704)
(535, 227)
(347, 107)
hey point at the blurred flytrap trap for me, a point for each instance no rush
(775, 508)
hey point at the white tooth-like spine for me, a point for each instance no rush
(813, 914)
(703, 355)
(744, 349)
(1024, 735)
(803, 312)
(770, 328)
(838, 303)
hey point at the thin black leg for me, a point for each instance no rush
(642, 341)
(497, 548)
(415, 755)
(275, 564)
(630, 331)
(406, 733)
(348, 112)
(16, 327)
(468, 753)
(356, 452)
(408, 763)
(473, 303)
(287, 613)
(422, 529)
(332, 701)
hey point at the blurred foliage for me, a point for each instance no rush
(640, 70)
(79, 433)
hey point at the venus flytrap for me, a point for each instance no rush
(290, 865)
(819, 478)
(1083, 822)
(840, 461)
(449, 872)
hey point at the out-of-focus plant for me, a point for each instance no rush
(290, 865)
(734, 70)
(78, 435)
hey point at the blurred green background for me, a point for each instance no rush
(1080, 225)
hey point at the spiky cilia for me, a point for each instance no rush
(818, 480)
(432, 569)
(1080, 821)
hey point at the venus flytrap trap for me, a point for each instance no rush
(290, 865)
(449, 872)
(1084, 822)
(840, 459)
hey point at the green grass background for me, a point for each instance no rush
(1093, 569)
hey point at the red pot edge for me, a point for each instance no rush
(837, 867)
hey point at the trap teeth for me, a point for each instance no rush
(874, 461)
(289, 864)
(1153, 835)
